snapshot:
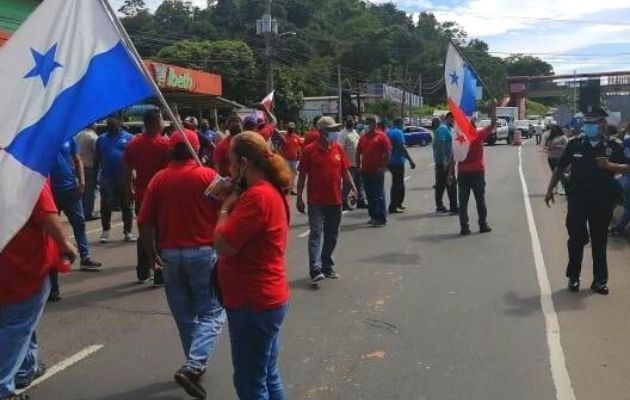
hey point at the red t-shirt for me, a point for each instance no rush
(324, 168)
(255, 277)
(176, 205)
(292, 146)
(221, 156)
(266, 130)
(146, 154)
(474, 159)
(27, 258)
(373, 148)
(311, 136)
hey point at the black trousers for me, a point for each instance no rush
(114, 194)
(475, 182)
(144, 267)
(441, 185)
(397, 192)
(553, 164)
(588, 217)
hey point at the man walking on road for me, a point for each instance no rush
(373, 155)
(443, 158)
(110, 148)
(86, 143)
(323, 166)
(291, 150)
(349, 140)
(175, 210)
(471, 177)
(146, 155)
(396, 166)
(593, 192)
(24, 286)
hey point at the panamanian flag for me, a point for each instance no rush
(66, 67)
(461, 92)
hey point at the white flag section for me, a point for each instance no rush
(65, 68)
(461, 91)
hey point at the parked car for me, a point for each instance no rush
(500, 132)
(525, 126)
(417, 136)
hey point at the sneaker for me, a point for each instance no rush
(105, 237)
(441, 210)
(465, 231)
(15, 396)
(379, 224)
(402, 207)
(372, 221)
(41, 371)
(87, 264)
(189, 379)
(396, 211)
(330, 274)
(130, 238)
(600, 288)
(574, 285)
(485, 228)
(54, 296)
(317, 277)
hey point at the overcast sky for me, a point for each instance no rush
(570, 34)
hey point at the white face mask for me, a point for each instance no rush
(332, 137)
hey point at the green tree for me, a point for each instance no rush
(383, 108)
(131, 8)
(524, 65)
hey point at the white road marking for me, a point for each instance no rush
(55, 369)
(304, 234)
(559, 372)
(407, 178)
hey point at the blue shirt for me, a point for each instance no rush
(443, 144)
(397, 137)
(626, 147)
(62, 174)
(109, 151)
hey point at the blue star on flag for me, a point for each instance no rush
(45, 64)
(454, 78)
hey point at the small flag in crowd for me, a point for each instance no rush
(66, 67)
(461, 91)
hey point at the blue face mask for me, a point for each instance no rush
(332, 137)
(590, 130)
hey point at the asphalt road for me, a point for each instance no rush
(419, 313)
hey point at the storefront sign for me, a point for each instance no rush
(184, 79)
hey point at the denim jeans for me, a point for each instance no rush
(18, 343)
(358, 182)
(374, 183)
(90, 192)
(254, 340)
(323, 222)
(193, 301)
(69, 202)
(397, 193)
(143, 267)
(114, 194)
(475, 181)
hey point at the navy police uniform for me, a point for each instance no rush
(592, 195)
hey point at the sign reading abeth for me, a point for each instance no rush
(184, 79)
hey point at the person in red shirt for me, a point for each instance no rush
(175, 206)
(324, 167)
(147, 154)
(251, 239)
(291, 151)
(24, 287)
(373, 155)
(222, 151)
(471, 176)
(266, 127)
(312, 135)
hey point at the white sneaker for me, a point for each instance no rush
(105, 237)
(129, 237)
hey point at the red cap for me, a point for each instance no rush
(178, 137)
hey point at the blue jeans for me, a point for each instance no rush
(323, 222)
(18, 344)
(254, 339)
(374, 185)
(69, 202)
(193, 302)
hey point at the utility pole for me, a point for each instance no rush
(267, 26)
(574, 91)
(340, 94)
(420, 90)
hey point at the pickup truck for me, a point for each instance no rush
(500, 132)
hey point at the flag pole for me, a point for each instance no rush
(135, 55)
(483, 84)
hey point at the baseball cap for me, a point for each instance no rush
(178, 137)
(326, 123)
(250, 122)
(191, 122)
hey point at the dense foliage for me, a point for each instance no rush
(371, 43)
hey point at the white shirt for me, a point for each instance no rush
(349, 140)
(86, 143)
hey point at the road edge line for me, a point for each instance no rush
(55, 369)
(559, 371)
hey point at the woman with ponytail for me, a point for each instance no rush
(251, 240)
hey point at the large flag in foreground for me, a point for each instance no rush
(65, 68)
(461, 92)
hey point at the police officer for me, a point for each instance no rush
(593, 192)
